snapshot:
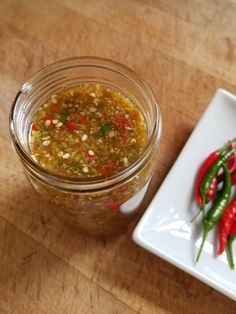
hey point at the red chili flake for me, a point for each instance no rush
(121, 121)
(81, 119)
(113, 205)
(108, 169)
(71, 125)
(34, 127)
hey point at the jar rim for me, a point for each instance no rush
(69, 182)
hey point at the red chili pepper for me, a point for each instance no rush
(211, 159)
(108, 169)
(231, 164)
(201, 174)
(121, 121)
(231, 238)
(214, 214)
(71, 125)
(233, 178)
(226, 222)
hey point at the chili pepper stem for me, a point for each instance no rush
(195, 216)
(223, 148)
(203, 206)
(207, 228)
(230, 249)
(232, 141)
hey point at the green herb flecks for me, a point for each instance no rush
(105, 129)
(64, 117)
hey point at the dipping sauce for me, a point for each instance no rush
(89, 130)
(94, 143)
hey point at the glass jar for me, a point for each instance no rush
(99, 206)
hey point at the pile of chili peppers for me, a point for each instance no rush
(213, 185)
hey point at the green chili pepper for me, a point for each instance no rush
(105, 129)
(230, 249)
(64, 117)
(210, 175)
(231, 238)
(215, 213)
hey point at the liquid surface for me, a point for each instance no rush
(87, 131)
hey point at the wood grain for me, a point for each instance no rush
(185, 50)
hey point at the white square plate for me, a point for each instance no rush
(165, 228)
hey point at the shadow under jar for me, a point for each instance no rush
(99, 205)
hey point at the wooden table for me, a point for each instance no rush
(185, 50)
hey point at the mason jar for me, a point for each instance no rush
(98, 205)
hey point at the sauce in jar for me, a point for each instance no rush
(89, 147)
(89, 130)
